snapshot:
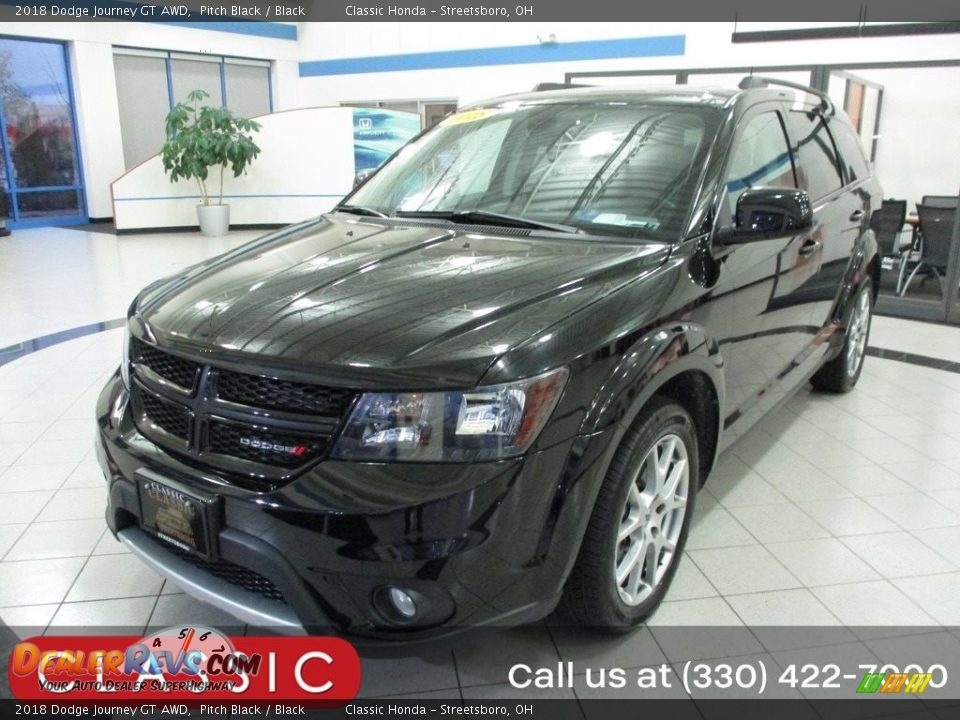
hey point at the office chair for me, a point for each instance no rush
(887, 223)
(939, 201)
(936, 226)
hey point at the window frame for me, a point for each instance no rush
(795, 150)
(748, 116)
(8, 185)
(220, 60)
(848, 181)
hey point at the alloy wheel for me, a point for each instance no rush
(652, 520)
(857, 331)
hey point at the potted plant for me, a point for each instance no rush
(201, 138)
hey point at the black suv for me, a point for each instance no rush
(491, 380)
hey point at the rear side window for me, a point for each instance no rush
(817, 158)
(852, 159)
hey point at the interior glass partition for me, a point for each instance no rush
(906, 117)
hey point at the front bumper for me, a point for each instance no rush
(480, 544)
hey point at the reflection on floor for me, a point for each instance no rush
(57, 278)
(839, 510)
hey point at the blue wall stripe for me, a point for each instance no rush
(278, 31)
(511, 55)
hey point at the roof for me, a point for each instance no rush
(678, 94)
(710, 96)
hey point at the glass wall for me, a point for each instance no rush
(150, 82)
(907, 119)
(39, 163)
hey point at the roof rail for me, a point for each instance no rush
(541, 87)
(759, 81)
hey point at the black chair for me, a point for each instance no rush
(887, 224)
(936, 227)
(939, 201)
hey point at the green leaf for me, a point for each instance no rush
(200, 137)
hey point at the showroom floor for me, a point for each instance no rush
(838, 510)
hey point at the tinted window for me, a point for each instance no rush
(607, 168)
(852, 159)
(761, 158)
(817, 158)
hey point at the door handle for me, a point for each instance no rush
(856, 216)
(809, 246)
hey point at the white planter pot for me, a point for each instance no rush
(214, 219)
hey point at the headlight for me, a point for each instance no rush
(487, 423)
(125, 360)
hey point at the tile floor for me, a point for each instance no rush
(838, 510)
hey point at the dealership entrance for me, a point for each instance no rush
(40, 176)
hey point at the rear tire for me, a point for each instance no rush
(635, 538)
(840, 375)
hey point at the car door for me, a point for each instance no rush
(767, 327)
(841, 212)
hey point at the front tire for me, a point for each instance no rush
(639, 525)
(840, 375)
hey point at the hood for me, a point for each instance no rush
(385, 302)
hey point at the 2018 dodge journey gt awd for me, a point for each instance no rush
(491, 381)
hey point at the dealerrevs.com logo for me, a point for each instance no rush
(185, 663)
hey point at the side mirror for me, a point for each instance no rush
(771, 213)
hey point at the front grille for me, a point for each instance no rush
(180, 372)
(168, 416)
(284, 395)
(261, 445)
(232, 573)
(247, 426)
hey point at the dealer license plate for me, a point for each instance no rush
(177, 515)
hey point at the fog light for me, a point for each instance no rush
(403, 603)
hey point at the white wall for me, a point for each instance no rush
(707, 45)
(291, 181)
(94, 84)
(918, 152)
(98, 121)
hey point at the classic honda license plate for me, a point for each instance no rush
(177, 515)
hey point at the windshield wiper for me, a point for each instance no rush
(360, 210)
(487, 217)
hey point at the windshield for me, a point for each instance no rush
(623, 169)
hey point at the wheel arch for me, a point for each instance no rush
(677, 360)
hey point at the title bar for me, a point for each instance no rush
(841, 12)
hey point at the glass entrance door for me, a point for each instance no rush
(39, 159)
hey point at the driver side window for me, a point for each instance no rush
(760, 158)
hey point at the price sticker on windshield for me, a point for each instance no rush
(468, 116)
